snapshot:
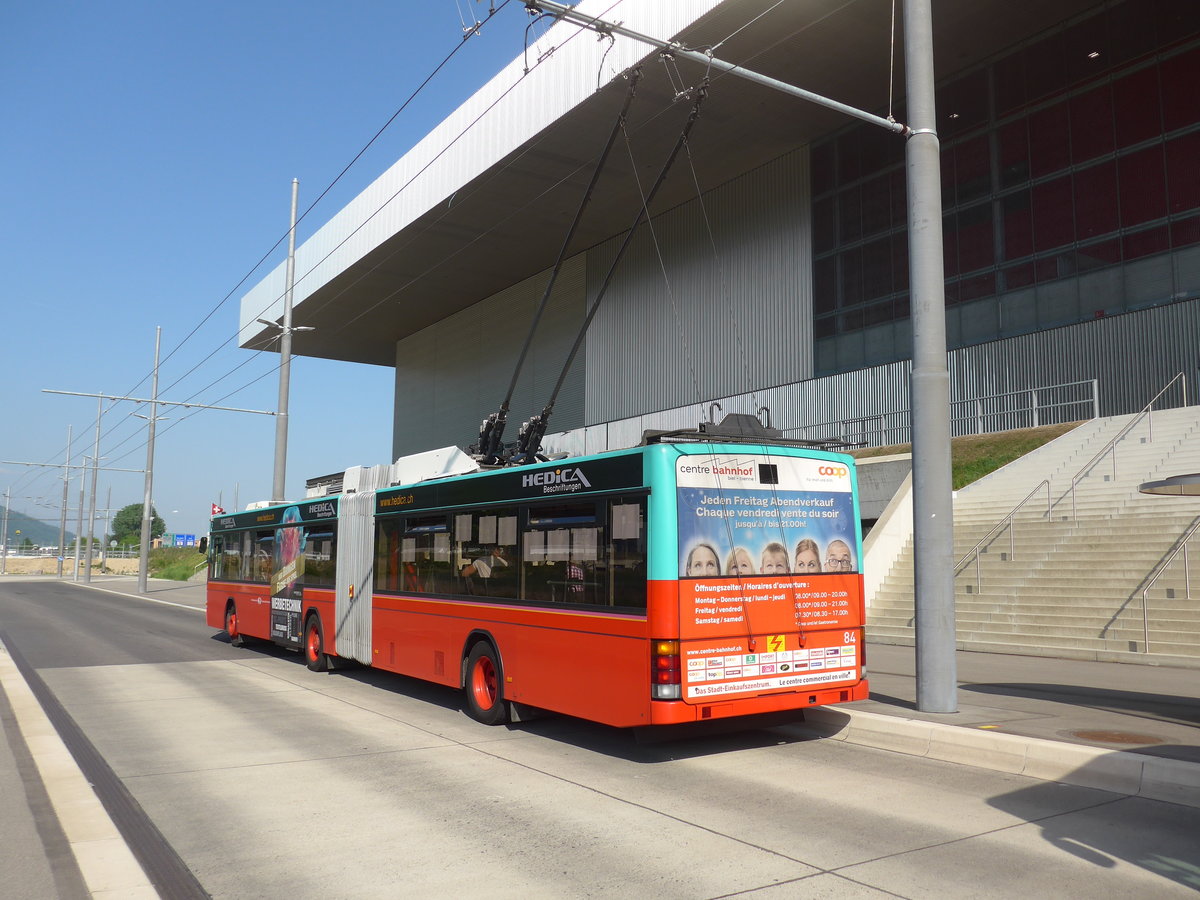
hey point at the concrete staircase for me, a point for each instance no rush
(1065, 579)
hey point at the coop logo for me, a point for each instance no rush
(557, 481)
(837, 471)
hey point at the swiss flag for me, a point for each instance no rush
(217, 511)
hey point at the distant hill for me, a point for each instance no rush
(43, 532)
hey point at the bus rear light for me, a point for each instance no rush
(665, 670)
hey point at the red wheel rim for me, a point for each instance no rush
(314, 644)
(231, 624)
(483, 683)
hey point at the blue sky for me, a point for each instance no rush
(148, 157)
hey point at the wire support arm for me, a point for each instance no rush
(709, 61)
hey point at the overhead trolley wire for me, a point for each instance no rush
(393, 253)
(405, 186)
(493, 11)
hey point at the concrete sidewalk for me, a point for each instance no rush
(1130, 729)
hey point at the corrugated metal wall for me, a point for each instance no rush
(717, 323)
(455, 372)
(1132, 357)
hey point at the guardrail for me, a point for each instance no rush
(973, 415)
(1009, 522)
(1162, 567)
(1111, 447)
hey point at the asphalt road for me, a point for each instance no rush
(266, 780)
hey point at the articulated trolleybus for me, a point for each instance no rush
(670, 583)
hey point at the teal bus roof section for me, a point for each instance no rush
(322, 509)
(619, 470)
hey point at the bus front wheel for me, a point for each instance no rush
(231, 627)
(314, 646)
(485, 686)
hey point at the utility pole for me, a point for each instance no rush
(147, 504)
(933, 525)
(278, 489)
(4, 553)
(62, 521)
(104, 533)
(87, 569)
(62, 518)
(79, 526)
(933, 509)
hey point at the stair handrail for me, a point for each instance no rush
(1162, 567)
(1110, 447)
(1008, 522)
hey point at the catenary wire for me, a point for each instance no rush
(493, 11)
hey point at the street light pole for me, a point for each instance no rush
(285, 361)
(4, 550)
(933, 505)
(79, 525)
(62, 518)
(147, 505)
(87, 569)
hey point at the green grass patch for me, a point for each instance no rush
(975, 455)
(174, 563)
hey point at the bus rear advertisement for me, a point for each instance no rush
(670, 583)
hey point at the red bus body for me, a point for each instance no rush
(726, 646)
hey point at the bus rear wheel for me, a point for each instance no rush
(314, 646)
(485, 686)
(231, 627)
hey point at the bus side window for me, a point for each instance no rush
(486, 552)
(387, 554)
(264, 556)
(627, 553)
(320, 557)
(216, 559)
(245, 570)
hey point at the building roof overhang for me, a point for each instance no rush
(472, 210)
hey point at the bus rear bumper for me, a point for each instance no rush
(676, 712)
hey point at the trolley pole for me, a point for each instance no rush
(933, 511)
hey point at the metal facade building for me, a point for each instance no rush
(773, 273)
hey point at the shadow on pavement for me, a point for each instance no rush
(1087, 831)
(630, 744)
(1159, 707)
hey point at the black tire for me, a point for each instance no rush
(231, 627)
(484, 686)
(314, 646)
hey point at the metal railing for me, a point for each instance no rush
(1007, 522)
(1111, 447)
(1162, 568)
(973, 415)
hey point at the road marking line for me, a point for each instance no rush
(92, 587)
(103, 856)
